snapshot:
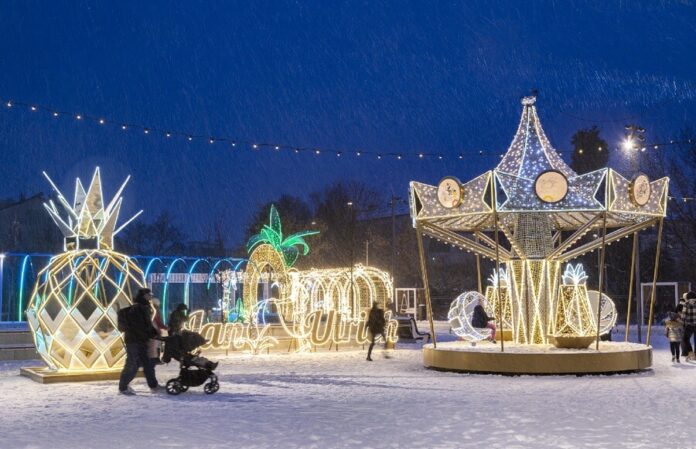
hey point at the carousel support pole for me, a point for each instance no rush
(499, 312)
(478, 270)
(602, 253)
(654, 282)
(426, 286)
(630, 283)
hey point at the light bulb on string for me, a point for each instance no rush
(146, 131)
(55, 114)
(78, 117)
(33, 108)
(124, 127)
(101, 121)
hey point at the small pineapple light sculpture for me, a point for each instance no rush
(73, 308)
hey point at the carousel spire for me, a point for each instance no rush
(530, 152)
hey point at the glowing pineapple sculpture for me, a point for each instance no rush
(73, 309)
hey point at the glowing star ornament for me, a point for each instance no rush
(73, 308)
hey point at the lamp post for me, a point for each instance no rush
(352, 226)
(633, 144)
(2, 269)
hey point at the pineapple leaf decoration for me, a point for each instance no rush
(574, 274)
(501, 276)
(88, 219)
(272, 234)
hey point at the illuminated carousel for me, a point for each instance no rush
(533, 215)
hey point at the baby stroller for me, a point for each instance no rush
(194, 369)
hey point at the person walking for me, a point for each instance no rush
(689, 318)
(376, 324)
(136, 324)
(177, 319)
(674, 331)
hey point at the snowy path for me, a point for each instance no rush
(331, 400)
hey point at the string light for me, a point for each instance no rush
(420, 155)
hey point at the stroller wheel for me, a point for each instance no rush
(174, 387)
(211, 387)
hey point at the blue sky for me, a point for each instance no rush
(441, 77)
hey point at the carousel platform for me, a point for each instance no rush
(486, 358)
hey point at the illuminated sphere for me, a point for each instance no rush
(73, 309)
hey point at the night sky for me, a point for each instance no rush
(439, 77)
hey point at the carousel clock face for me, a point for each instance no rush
(450, 193)
(551, 186)
(640, 190)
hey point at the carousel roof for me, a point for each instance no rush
(532, 180)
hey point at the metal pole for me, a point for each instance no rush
(602, 253)
(639, 293)
(426, 287)
(393, 240)
(2, 270)
(499, 313)
(630, 283)
(478, 270)
(367, 254)
(352, 225)
(654, 282)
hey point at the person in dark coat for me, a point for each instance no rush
(138, 330)
(177, 319)
(376, 324)
(481, 320)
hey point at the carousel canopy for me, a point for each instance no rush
(534, 192)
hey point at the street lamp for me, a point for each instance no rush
(352, 226)
(635, 140)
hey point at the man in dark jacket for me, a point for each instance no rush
(689, 318)
(375, 324)
(138, 330)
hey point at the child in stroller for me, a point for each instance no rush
(194, 369)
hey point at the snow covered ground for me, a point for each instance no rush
(327, 400)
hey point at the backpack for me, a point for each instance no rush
(122, 315)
